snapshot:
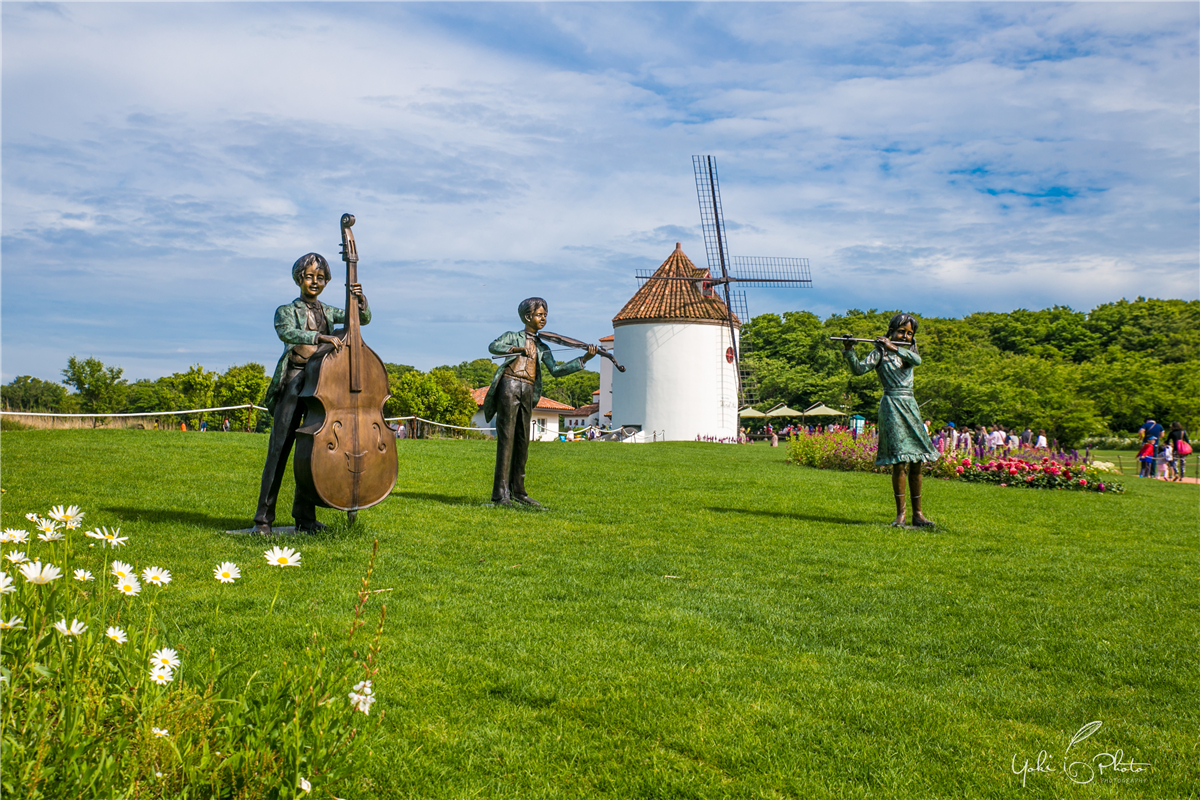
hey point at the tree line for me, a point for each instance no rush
(1074, 374)
(442, 395)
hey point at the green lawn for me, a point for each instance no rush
(688, 620)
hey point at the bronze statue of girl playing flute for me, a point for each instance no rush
(903, 442)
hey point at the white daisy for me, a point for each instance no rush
(162, 677)
(112, 539)
(156, 575)
(305, 786)
(160, 733)
(6, 584)
(282, 557)
(117, 635)
(67, 515)
(93, 534)
(165, 657)
(227, 572)
(16, 557)
(52, 536)
(14, 624)
(121, 570)
(76, 627)
(84, 575)
(33, 517)
(14, 536)
(128, 586)
(48, 527)
(36, 573)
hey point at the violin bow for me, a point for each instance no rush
(567, 341)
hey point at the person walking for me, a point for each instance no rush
(1181, 448)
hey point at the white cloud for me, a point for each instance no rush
(164, 164)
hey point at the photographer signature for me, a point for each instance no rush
(1079, 771)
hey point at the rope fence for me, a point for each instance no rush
(192, 411)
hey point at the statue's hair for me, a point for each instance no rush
(529, 305)
(307, 260)
(899, 321)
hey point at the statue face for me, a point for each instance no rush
(904, 333)
(312, 282)
(537, 320)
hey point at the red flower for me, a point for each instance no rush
(966, 462)
(1083, 481)
(959, 470)
(1012, 471)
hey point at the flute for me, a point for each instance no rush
(853, 339)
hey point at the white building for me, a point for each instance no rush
(584, 416)
(673, 338)
(543, 427)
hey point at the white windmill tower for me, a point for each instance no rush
(681, 340)
(674, 337)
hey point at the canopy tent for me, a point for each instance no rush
(750, 412)
(782, 410)
(822, 410)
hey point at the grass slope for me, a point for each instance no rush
(799, 648)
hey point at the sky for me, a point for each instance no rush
(163, 165)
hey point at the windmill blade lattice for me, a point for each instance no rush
(712, 219)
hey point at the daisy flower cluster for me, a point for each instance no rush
(89, 602)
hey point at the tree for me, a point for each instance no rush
(101, 389)
(437, 396)
(241, 385)
(575, 389)
(27, 393)
(475, 373)
(196, 388)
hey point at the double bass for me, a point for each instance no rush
(346, 452)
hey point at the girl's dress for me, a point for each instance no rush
(902, 436)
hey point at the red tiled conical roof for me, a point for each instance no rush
(675, 300)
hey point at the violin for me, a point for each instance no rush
(346, 452)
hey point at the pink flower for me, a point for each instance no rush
(1004, 484)
(1012, 471)
(1083, 481)
(966, 462)
(959, 470)
(1100, 487)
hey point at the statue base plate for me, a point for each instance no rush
(277, 530)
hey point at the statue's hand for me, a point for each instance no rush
(591, 352)
(847, 343)
(337, 343)
(885, 344)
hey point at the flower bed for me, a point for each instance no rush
(839, 450)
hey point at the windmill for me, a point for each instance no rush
(769, 272)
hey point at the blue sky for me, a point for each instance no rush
(164, 164)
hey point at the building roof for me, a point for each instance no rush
(586, 411)
(544, 403)
(674, 300)
(608, 338)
